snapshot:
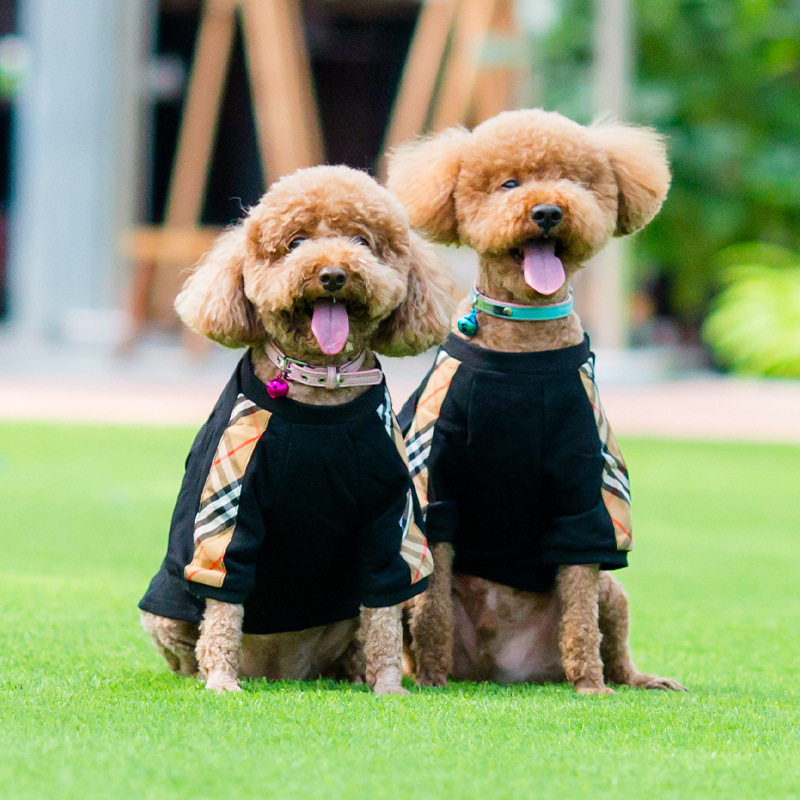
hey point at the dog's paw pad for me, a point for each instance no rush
(383, 689)
(222, 683)
(222, 688)
(593, 689)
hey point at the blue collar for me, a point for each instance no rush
(468, 324)
(481, 302)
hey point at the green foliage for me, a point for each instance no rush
(721, 79)
(754, 325)
(89, 710)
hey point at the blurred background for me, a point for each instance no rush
(131, 132)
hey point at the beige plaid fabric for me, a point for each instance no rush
(414, 548)
(219, 502)
(420, 434)
(616, 489)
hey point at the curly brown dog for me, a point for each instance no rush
(525, 490)
(296, 511)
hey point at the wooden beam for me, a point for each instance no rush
(201, 113)
(187, 186)
(304, 100)
(289, 133)
(174, 245)
(152, 248)
(458, 84)
(496, 84)
(418, 82)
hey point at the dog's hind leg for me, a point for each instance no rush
(219, 646)
(351, 665)
(409, 661)
(578, 587)
(615, 626)
(432, 622)
(175, 639)
(614, 621)
(383, 648)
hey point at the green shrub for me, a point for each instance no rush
(754, 325)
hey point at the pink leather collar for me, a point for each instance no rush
(340, 376)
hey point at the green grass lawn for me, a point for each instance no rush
(88, 709)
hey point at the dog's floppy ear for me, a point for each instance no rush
(639, 160)
(422, 320)
(423, 174)
(212, 301)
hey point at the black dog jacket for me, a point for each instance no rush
(302, 513)
(515, 464)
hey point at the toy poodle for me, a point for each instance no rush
(297, 509)
(525, 491)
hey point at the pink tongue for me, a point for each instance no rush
(543, 271)
(330, 325)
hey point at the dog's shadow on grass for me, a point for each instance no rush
(267, 686)
(165, 681)
(463, 689)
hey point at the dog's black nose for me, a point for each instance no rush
(332, 278)
(546, 217)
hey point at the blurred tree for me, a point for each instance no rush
(721, 79)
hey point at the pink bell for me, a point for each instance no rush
(277, 388)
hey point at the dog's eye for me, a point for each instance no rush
(362, 240)
(510, 184)
(296, 242)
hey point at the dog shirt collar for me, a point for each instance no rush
(468, 324)
(341, 376)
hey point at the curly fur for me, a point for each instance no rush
(614, 622)
(608, 179)
(579, 630)
(251, 285)
(219, 644)
(212, 301)
(417, 323)
(383, 648)
(175, 640)
(254, 286)
(424, 174)
(431, 631)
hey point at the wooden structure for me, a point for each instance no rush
(447, 80)
(444, 83)
(287, 131)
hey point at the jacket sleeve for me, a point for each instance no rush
(435, 444)
(228, 531)
(446, 460)
(395, 559)
(587, 482)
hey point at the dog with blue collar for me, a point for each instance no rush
(523, 486)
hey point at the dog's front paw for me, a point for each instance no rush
(588, 686)
(388, 687)
(221, 682)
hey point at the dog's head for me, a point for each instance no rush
(325, 264)
(533, 191)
